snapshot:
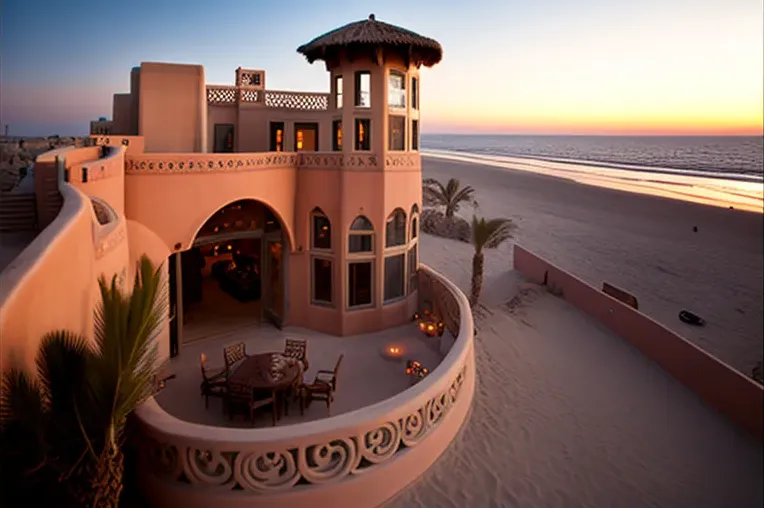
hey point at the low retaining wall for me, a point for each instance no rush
(355, 460)
(721, 386)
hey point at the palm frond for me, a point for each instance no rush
(21, 399)
(126, 327)
(489, 234)
(61, 365)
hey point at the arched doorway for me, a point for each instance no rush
(233, 276)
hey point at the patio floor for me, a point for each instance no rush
(365, 377)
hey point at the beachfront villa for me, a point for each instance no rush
(287, 226)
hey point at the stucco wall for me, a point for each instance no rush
(175, 206)
(105, 176)
(49, 286)
(172, 116)
(721, 386)
(122, 113)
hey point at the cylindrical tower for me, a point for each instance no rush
(374, 73)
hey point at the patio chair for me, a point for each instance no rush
(233, 354)
(241, 399)
(297, 349)
(323, 386)
(213, 381)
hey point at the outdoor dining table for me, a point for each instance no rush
(255, 373)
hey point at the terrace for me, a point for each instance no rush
(382, 432)
(366, 375)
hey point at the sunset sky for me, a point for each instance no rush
(527, 67)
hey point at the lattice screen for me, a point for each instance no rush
(296, 101)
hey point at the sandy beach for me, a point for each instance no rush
(566, 414)
(642, 244)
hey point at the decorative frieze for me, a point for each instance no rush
(320, 161)
(402, 161)
(265, 469)
(360, 161)
(208, 163)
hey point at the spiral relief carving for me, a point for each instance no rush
(317, 464)
(414, 427)
(266, 471)
(208, 467)
(327, 462)
(163, 459)
(381, 443)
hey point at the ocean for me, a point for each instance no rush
(718, 155)
(719, 170)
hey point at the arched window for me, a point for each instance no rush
(412, 259)
(360, 263)
(395, 228)
(361, 236)
(395, 256)
(321, 230)
(321, 259)
(414, 229)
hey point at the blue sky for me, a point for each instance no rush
(542, 66)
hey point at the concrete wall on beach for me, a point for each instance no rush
(721, 386)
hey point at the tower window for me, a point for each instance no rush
(337, 135)
(415, 93)
(338, 92)
(396, 136)
(396, 90)
(362, 134)
(363, 89)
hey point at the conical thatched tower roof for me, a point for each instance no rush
(371, 36)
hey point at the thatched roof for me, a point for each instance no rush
(372, 35)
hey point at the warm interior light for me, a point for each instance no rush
(204, 358)
(299, 140)
(229, 247)
(430, 328)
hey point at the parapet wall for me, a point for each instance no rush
(721, 386)
(53, 284)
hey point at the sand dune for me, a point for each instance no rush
(566, 414)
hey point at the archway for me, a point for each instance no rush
(234, 274)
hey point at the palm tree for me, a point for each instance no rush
(71, 419)
(450, 196)
(486, 234)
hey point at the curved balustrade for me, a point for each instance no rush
(360, 458)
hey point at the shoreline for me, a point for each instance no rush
(735, 192)
(641, 243)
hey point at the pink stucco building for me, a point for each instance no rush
(269, 208)
(324, 204)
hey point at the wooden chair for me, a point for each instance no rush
(297, 349)
(323, 386)
(233, 354)
(213, 382)
(240, 399)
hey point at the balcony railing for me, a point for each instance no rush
(221, 95)
(377, 450)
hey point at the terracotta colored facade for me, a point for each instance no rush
(314, 160)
